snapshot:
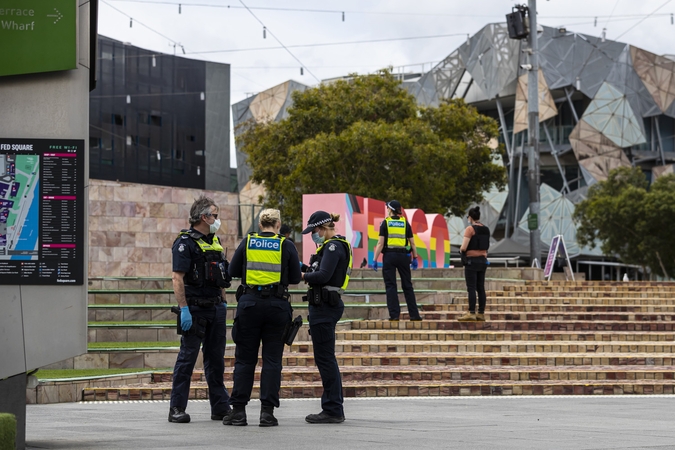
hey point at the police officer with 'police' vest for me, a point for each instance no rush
(267, 263)
(328, 277)
(199, 277)
(397, 244)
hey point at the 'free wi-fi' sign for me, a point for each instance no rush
(37, 36)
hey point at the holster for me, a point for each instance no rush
(291, 331)
(314, 296)
(331, 297)
(241, 290)
(198, 327)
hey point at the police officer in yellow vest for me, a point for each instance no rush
(328, 277)
(199, 277)
(397, 244)
(267, 263)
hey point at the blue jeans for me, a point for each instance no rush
(213, 348)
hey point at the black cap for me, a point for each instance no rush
(395, 206)
(316, 219)
(284, 229)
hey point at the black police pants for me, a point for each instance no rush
(323, 341)
(391, 262)
(259, 319)
(213, 348)
(474, 274)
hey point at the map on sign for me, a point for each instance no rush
(19, 206)
(42, 204)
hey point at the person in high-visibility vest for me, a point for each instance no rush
(397, 244)
(199, 278)
(267, 263)
(328, 276)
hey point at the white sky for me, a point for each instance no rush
(202, 29)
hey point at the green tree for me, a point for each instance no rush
(629, 220)
(368, 137)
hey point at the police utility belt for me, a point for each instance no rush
(320, 295)
(263, 292)
(204, 302)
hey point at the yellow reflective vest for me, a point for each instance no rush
(342, 288)
(396, 233)
(263, 259)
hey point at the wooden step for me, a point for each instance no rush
(405, 388)
(562, 347)
(486, 335)
(535, 324)
(375, 360)
(457, 373)
(519, 308)
(492, 316)
(590, 301)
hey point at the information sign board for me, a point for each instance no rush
(37, 36)
(42, 211)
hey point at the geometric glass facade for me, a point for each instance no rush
(602, 104)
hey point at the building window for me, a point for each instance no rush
(117, 119)
(156, 120)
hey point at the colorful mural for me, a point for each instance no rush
(360, 220)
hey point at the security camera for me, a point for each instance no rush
(526, 66)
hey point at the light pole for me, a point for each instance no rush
(533, 132)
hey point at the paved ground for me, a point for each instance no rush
(621, 422)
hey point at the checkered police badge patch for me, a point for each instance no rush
(331, 247)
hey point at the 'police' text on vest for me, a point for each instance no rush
(264, 244)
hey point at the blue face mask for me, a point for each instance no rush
(318, 239)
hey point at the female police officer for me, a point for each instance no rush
(396, 237)
(328, 279)
(266, 263)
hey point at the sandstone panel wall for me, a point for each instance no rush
(132, 226)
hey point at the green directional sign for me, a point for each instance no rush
(37, 36)
(532, 221)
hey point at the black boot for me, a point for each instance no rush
(178, 415)
(267, 418)
(236, 417)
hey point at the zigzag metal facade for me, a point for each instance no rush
(603, 104)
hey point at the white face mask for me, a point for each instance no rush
(215, 226)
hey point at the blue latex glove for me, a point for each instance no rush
(185, 318)
(375, 266)
(414, 264)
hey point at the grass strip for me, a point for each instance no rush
(44, 374)
(125, 345)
